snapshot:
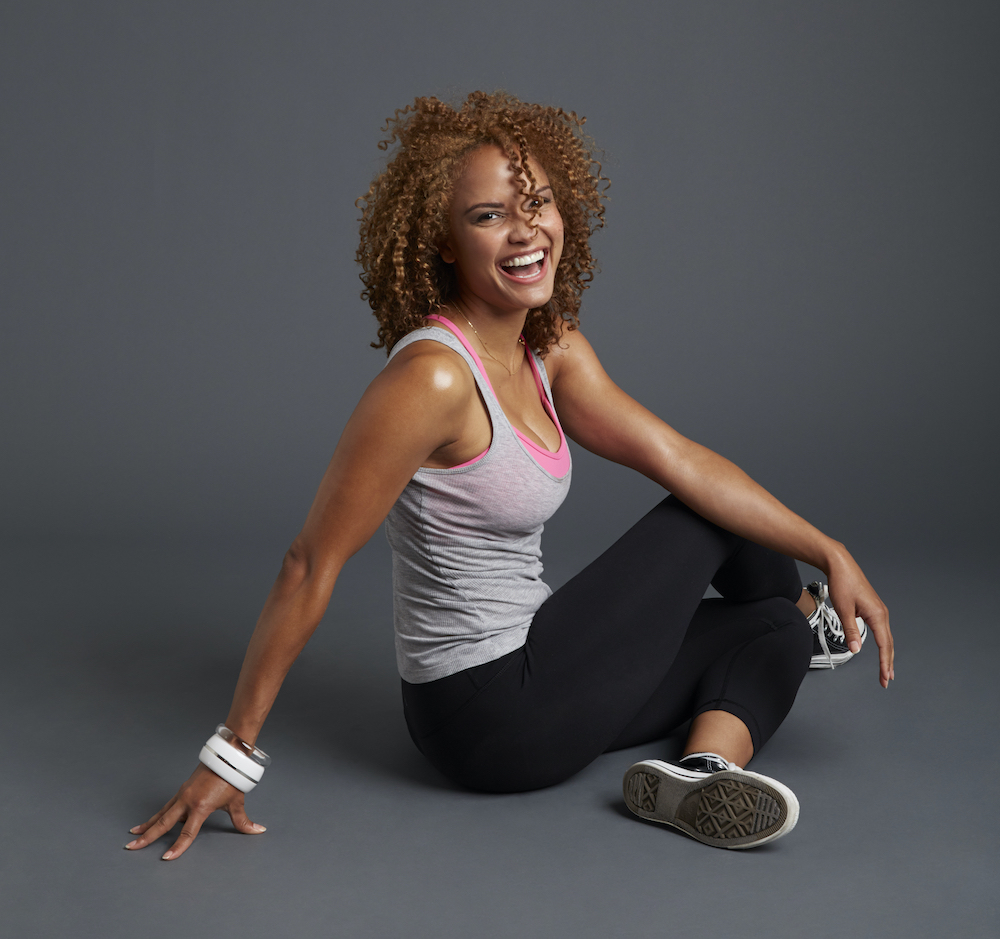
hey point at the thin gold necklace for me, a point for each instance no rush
(520, 341)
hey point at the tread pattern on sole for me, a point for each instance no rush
(642, 791)
(731, 808)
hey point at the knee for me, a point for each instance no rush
(672, 520)
(787, 622)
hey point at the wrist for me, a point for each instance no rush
(233, 759)
(247, 728)
(835, 557)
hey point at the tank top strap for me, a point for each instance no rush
(448, 338)
(558, 463)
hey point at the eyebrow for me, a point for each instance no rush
(500, 205)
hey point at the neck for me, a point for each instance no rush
(497, 333)
(500, 327)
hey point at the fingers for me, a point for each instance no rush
(242, 823)
(853, 596)
(197, 818)
(140, 829)
(852, 634)
(877, 620)
(201, 795)
(156, 827)
(879, 625)
(188, 833)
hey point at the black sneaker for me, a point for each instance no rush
(829, 643)
(728, 808)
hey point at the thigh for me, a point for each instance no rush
(744, 658)
(595, 653)
(618, 625)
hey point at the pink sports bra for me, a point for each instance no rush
(556, 463)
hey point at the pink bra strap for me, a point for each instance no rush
(556, 463)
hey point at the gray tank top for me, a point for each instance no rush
(466, 542)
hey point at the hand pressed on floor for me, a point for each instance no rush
(199, 797)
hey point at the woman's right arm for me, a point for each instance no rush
(416, 410)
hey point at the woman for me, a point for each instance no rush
(474, 244)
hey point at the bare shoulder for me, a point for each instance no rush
(570, 353)
(430, 372)
(417, 404)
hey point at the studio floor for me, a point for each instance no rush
(119, 660)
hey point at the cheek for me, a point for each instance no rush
(556, 224)
(558, 234)
(475, 257)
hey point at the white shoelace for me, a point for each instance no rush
(823, 619)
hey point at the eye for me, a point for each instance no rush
(487, 217)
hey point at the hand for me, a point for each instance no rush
(199, 797)
(851, 596)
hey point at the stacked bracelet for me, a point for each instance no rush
(235, 760)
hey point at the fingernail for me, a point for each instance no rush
(257, 827)
(855, 646)
(131, 844)
(134, 829)
(167, 856)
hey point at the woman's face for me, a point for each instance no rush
(503, 257)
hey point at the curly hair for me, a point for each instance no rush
(404, 215)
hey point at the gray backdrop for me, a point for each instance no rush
(799, 269)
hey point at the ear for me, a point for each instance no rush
(447, 255)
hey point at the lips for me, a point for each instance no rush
(525, 266)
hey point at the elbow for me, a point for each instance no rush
(296, 565)
(305, 567)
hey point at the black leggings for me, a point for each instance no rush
(622, 654)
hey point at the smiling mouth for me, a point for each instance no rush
(524, 265)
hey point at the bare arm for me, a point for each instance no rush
(414, 411)
(597, 414)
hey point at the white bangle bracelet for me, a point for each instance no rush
(237, 767)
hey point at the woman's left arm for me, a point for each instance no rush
(601, 417)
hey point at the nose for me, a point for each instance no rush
(524, 227)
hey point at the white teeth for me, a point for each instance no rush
(524, 260)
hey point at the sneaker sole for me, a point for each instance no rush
(732, 809)
(820, 660)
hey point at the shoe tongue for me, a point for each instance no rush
(705, 762)
(819, 591)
